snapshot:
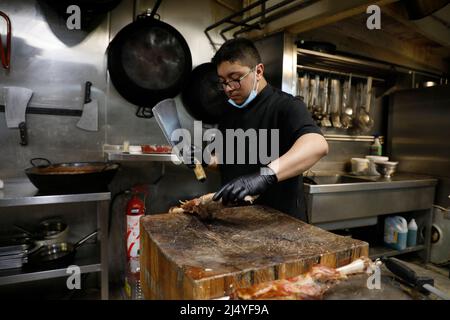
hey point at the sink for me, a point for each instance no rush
(339, 198)
(336, 179)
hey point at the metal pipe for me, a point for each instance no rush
(234, 15)
(259, 14)
(277, 15)
(337, 72)
(373, 64)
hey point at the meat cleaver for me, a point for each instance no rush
(166, 116)
(89, 118)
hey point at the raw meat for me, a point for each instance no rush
(311, 285)
(204, 206)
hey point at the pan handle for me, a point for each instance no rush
(87, 92)
(32, 161)
(79, 243)
(155, 8)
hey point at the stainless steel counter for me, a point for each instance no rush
(343, 201)
(348, 183)
(21, 192)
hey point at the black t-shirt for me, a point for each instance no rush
(271, 109)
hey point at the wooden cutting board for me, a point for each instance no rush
(185, 258)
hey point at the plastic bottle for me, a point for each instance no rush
(396, 232)
(376, 148)
(133, 289)
(412, 233)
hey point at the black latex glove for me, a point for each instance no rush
(248, 185)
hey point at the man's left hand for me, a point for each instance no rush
(248, 185)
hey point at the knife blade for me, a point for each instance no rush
(166, 115)
(423, 284)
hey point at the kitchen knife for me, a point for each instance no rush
(16, 103)
(89, 118)
(423, 284)
(166, 116)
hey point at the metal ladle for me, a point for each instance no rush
(335, 103)
(364, 120)
(347, 113)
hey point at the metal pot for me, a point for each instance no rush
(71, 177)
(48, 232)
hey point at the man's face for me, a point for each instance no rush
(229, 71)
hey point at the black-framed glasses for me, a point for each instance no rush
(233, 84)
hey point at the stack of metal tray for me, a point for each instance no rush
(13, 252)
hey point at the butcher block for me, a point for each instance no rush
(183, 257)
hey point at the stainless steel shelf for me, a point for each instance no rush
(115, 153)
(346, 137)
(122, 156)
(21, 192)
(378, 252)
(86, 258)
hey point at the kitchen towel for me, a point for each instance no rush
(16, 102)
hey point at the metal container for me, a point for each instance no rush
(386, 168)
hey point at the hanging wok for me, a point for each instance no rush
(148, 61)
(201, 96)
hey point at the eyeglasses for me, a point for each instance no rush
(233, 84)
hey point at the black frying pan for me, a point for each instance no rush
(201, 96)
(148, 61)
(61, 253)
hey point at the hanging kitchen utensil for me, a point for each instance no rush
(314, 99)
(201, 96)
(5, 51)
(325, 122)
(364, 119)
(335, 103)
(148, 61)
(167, 118)
(347, 110)
(304, 90)
(92, 14)
(16, 102)
(71, 177)
(89, 118)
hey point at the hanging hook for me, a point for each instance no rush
(5, 53)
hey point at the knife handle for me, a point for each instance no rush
(402, 271)
(23, 134)
(199, 172)
(87, 92)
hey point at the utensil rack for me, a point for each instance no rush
(356, 66)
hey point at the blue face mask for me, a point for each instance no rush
(250, 97)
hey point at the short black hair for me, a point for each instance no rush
(238, 49)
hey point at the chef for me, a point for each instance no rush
(255, 104)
